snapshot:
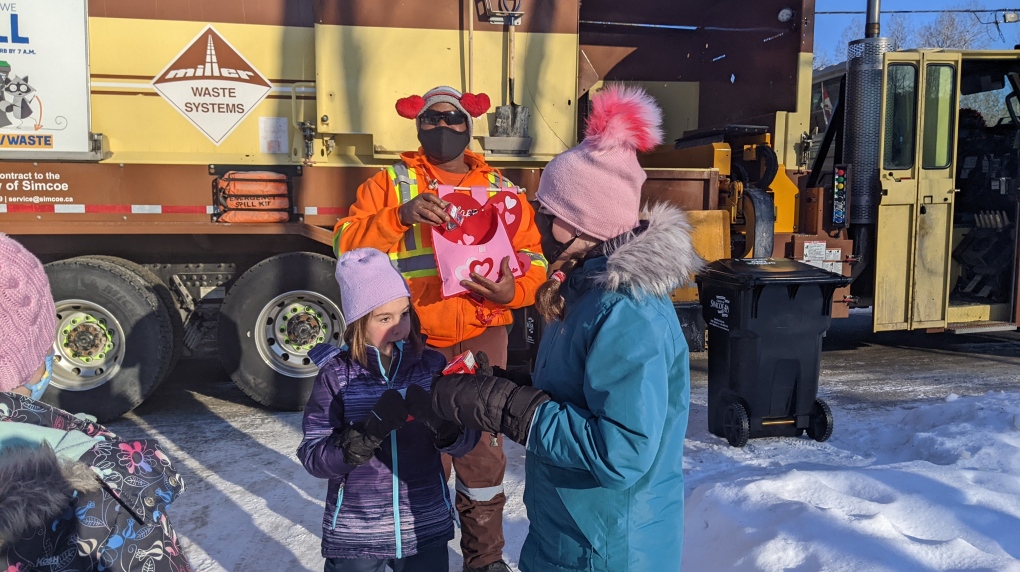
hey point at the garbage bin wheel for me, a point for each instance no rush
(820, 425)
(736, 425)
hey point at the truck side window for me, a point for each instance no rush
(900, 116)
(939, 113)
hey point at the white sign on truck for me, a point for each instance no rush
(44, 78)
(212, 85)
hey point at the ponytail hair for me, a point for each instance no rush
(548, 300)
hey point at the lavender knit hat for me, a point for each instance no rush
(367, 280)
(27, 312)
(596, 186)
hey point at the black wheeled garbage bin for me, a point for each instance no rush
(766, 319)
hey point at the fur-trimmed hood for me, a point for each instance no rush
(657, 260)
(35, 488)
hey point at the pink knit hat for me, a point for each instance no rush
(596, 186)
(367, 280)
(27, 313)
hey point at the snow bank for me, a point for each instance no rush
(929, 487)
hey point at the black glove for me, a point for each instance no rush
(419, 404)
(518, 377)
(358, 447)
(484, 367)
(487, 403)
(360, 440)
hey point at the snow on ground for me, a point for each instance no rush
(926, 486)
(929, 484)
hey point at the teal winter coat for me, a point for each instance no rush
(604, 483)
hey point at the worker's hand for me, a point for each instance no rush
(501, 292)
(425, 208)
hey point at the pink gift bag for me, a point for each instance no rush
(480, 242)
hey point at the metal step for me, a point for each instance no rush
(979, 327)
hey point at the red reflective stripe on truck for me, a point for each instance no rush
(29, 208)
(184, 209)
(62, 208)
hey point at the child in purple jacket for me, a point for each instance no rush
(370, 429)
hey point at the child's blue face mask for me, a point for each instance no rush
(39, 387)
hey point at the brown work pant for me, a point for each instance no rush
(480, 496)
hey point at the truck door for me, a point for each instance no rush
(915, 214)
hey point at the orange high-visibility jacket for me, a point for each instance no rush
(373, 222)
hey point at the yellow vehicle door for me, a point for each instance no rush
(915, 214)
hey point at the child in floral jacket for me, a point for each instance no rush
(73, 496)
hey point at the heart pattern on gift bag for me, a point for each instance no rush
(481, 241)
(481, 267)
(504, 203)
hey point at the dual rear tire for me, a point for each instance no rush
(120, 331)
(117, 336)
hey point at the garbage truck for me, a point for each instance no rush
(179, 167)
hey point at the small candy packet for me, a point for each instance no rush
(464, 363)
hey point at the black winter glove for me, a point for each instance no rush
(484, 367)
(518, 377)
(358, 447)
(359, 441)
(487, 403)
(419, 404)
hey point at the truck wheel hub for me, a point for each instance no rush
(292, 324)
(87, 339)
(303, 329)
(89, 347)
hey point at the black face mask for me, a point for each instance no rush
(442, 144)
(552, 249)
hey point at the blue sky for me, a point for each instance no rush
(829, 27)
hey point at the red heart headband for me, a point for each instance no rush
(474, 104)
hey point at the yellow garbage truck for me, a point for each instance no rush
(179, 167)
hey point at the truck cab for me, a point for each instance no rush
(949, 162)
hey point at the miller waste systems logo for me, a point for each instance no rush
(212, 85)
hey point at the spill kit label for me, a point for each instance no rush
(212, 85)
(721, 306)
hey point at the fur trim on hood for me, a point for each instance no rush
(35, 488)
(654, 262)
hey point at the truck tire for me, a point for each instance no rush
(275, 312)
(165, 296)
(114, 339)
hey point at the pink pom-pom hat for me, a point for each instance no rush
(596, 186)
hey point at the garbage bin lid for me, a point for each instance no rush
(757, 271)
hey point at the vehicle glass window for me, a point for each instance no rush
(939, 116)
(900, 116)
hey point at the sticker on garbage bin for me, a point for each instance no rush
(721, 305)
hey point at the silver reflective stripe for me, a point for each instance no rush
(415, 263)
(483, 494)
(403, 181)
